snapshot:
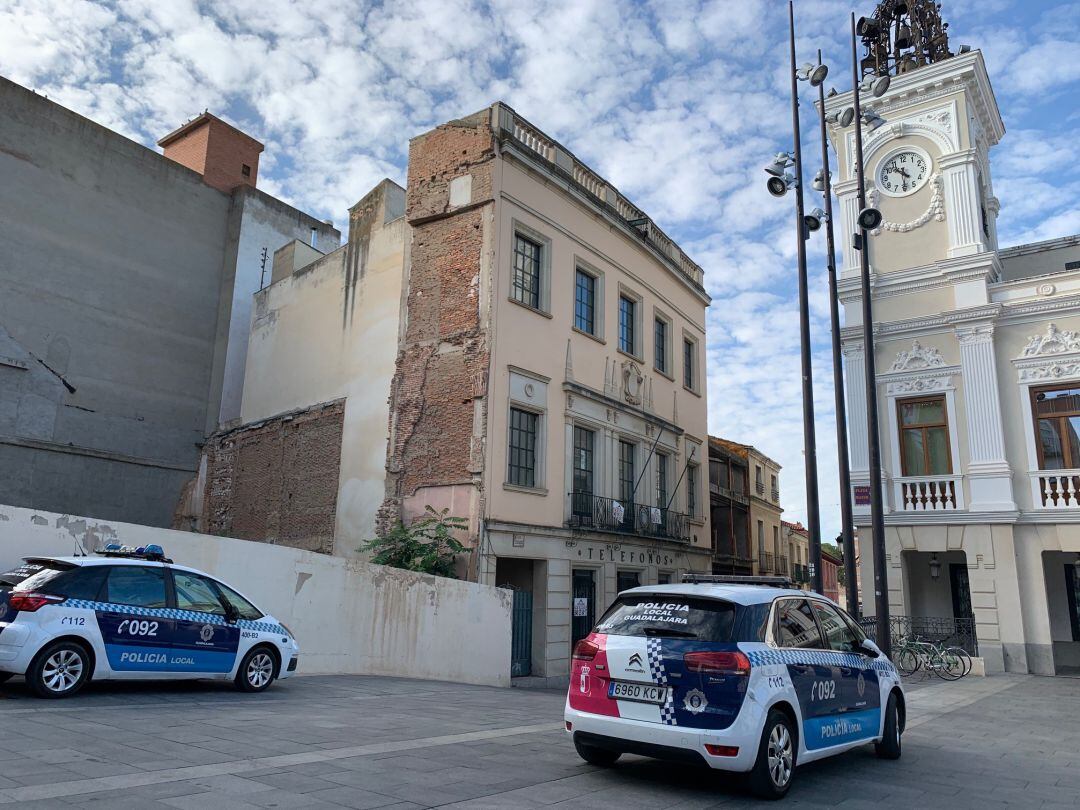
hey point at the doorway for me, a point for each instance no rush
(583, 604)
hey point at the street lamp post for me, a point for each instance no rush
(877, 519)
(846, 521)
(809, 436)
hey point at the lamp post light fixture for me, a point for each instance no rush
(822, 183)
(935, 567)
(815, 75)
(868, 219)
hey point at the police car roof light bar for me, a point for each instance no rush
(150, 553)
(732, 579)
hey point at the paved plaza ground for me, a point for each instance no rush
(367, 742)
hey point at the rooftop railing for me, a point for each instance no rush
(512, 125)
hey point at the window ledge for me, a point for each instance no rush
(523, 305)
(664, 374)
(589, 335)
(696, 521)
(541, 491)
(691, 391)
(631, 356)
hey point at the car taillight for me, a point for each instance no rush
(718, 663)
(722, 750)
(29, 602)
(585, 650)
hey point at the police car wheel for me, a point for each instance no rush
(889, 747)
(600, 757)
(771, 775)
(256, 671)
(60, 670)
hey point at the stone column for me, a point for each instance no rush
(987, 471)
(963, 212)
(855, 386)
(847, 195)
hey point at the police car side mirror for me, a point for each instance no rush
(869, 648)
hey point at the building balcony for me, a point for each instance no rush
(1055, 489)
(593, 513)
(732, 564)
(928, 493)
(760, 489)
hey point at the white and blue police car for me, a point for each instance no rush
(131, 614)
(740, 673)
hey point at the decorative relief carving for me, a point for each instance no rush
(918, 385)
(917, 357)
(1046, 289)
(1050, 371)
(935, 210)
(1055, 341)
(983, 333)
(633, 382)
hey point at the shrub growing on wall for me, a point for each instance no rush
(428, 546)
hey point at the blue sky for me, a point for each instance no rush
(678, 103)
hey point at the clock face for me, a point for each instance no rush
(903, 173)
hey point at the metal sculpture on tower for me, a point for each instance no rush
(902, 35)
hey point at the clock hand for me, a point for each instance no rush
(903, 172)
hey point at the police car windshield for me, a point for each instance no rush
(669, 615)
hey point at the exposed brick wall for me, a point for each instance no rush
(218, 152)
(276, 481)
(437, 398)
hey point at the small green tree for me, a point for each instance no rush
(428, 546)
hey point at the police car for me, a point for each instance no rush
(734, 673)
(131, 614)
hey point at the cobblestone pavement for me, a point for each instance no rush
(366, 742)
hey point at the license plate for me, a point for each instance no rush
(641, 692)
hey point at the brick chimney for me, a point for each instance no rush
(222, 154)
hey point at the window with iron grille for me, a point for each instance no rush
(523, 435)
(583, 460)
(627, 312)
(661, 330)
(525, 286)
(626, 472)
(691, 491)
(585, 302)
(661, 479)
(689, 371)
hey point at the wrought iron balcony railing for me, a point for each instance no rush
(766, 562)
(590, 512)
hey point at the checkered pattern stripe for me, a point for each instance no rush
(659, 674)
(175, 613)
(827, 659)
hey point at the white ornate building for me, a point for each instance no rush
(978, 359)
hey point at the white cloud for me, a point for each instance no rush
(678, 104)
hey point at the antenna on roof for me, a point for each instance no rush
(262, 271)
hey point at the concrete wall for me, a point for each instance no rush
(261, 222)
(350, 617)
(110, 275)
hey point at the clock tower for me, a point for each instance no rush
(927, 169)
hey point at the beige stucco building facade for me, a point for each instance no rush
(978, 360)
(550, 379)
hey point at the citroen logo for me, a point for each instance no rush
(635, 660)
